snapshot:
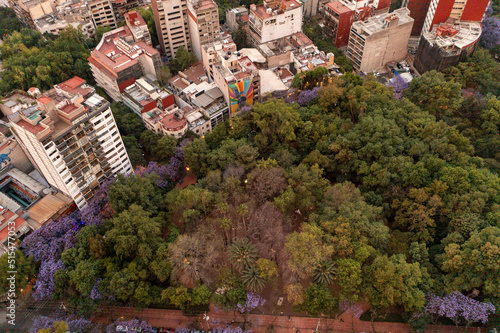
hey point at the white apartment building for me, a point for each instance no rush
(274, 19)
(171, 25)
(203, 21)
(102, 13)
(71, 137)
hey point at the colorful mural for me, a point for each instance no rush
(241, 94)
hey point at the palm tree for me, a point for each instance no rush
(243, 254)
(325, 273)
(252, 280)
(242, 210)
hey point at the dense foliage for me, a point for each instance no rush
(30, 60)
(8, 22)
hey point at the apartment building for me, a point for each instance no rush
(102, 13)
(143, 96)
(440, 10)
(379, 40)
(446, 45)
(274, 19)
(72, 139)
(138, 27)
(171, 25)
(235, 16)
(27, 11)
(121, 7)
(119, 59)
(203, 22)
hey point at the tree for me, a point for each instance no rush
(459, 308)
(252, 279)
(141, 191)
(165, 148)
(183, 59)
(240, 37)
(134, 234)
(164, 75)
(24, 268)
(349, 277)
(490, 36)
(133, 151)
(471, 265)
(147, 15)
(131, 325)
(99, 31)
(318, 299)
(435, 94)
(307, 249)
(8, 22)
(243, 254)
(325, 273)
(267, 268)
(265, 184)
(329, 96)
(276, 121)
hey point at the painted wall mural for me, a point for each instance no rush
(241, 94)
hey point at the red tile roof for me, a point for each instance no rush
(35, 129)
(5, 231)
(338, 7)
(44, 100)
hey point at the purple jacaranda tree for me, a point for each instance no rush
(307, 96)
(75, 324)
(490, 36)
(47, 242)
(229, 329)
(44, 286)
(253, 300)
(98, 207)
(398, 85)
(129, 325)
(94, 293)
(459, 308)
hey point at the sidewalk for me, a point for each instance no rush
(258, 323)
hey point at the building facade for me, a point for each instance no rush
(102, 13)
(171, 25)
(138, 27)
(274, 19)
(379, 40)
(72, 139)
(338, 21)
(118, 60)
(465, 10)
(203, 22)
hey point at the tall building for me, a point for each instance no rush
(119, 59)
(341, 14)
(203, 22)
(446, 45)
(121, 7)
(274, 19)
(171, 25)
(72, 139)
(428, 13)
(379, 40)
(418, 11)
(102, 13)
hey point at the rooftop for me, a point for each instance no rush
(118, 51)
(338, 7)
(380, 22)
(462, 35)
(194, 74)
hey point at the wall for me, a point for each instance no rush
(282, 25)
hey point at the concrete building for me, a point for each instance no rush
(379, 40)
(440, 10)
(418, 11)
(235, 16)
(138, 27)
(191, 88)
(310, 7)
(210, 53)
(203, 22)
(102, 13)
(27, 11)
(341, 14)
(274, 19)
(119, 59)
(121, 7)
(446, 45)
(12, 226)
(143, 96)
(171, 25)
(78, 15)
(71, 138)
(169, 121)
